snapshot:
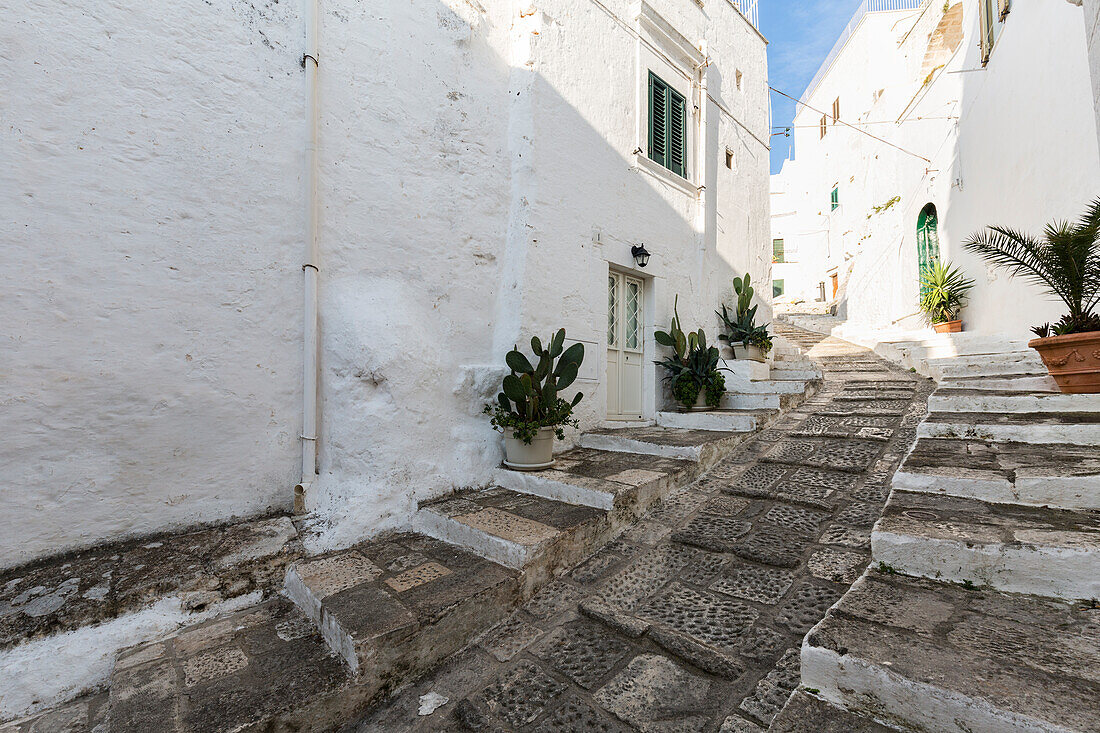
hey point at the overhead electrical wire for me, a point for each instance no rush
(842, 122)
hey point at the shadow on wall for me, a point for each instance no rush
(461, 189)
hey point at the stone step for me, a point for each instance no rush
(704, 445)
(807, 713)
(732, 421)
(800, 373)
(603, 479)
(962, 399)
(1056, 475)
(1008, 547)
(393, 606)
(63, 619)
(744, 369)
(1075, 428)
(931, 656)
(539, 536)
(766, 386)
(986, 365)
(1005, 383)
(741, 401)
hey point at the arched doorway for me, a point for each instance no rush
(928, 241)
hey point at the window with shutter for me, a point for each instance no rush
(824, 125)
(988, 22)
(834, 198)
(836, 109)
(777, 251)
(667, 126)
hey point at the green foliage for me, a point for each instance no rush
(945, 291)
(1064, 261)
(693, 365)
(529, 397)
(896, 199)
(742, 328)
(1067, 325)
(715, 387)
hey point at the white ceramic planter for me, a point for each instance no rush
(536, 456)
(754, 353)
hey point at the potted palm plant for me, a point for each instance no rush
(944, 292)
(528, 409)
(692, 370)
(1065, 261)
(746, 339)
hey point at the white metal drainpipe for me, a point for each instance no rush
(309, 269)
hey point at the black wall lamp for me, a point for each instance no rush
(641, 256)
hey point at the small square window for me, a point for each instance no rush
(777, 288)
(777, 251)
(667, 126)
(834, 198)
(824, 125)
(836, 109)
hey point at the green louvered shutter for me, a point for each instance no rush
(667, 126)
(658, 120)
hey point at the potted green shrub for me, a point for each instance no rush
(692, 370)
(1065, 261)
(944, 292)
(528, 410)
(742, 334)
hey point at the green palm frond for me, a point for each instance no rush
(944, 291)
(1065, 261)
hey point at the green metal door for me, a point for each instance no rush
(928, 242)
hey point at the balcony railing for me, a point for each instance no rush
(750, 10)
(868, 6)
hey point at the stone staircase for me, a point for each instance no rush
(979, 612)
(358, 623)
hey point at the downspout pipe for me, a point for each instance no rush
(309, 267)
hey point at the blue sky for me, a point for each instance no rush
(800, 34)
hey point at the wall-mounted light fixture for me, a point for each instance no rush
(641, 256)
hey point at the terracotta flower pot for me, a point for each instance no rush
(948, 327)
(1073, 361)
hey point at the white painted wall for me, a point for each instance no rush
(498, 148)
(1012, 144)
(469, 155)
(149, 250)
(1092, 36)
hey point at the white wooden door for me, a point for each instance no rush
(625, 338)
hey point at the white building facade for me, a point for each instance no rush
(928, 122)
(468, 174)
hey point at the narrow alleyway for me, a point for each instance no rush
(693, 619)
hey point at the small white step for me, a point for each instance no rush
(744, 369)
(930, 656)
(807, 374)
(741, 401)
(986, 365)
(1059, 476)
(976, 400)
(767, 386)
(1005, 383)
(1011, 548)
(735, 421)
(670, 441)
(1073, 428)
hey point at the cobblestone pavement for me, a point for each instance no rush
(692, 620)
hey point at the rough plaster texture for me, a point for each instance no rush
(1092, 34)
(1013, 144)
(471, 157)
(509, 134)
(149, 230)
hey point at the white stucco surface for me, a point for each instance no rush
(477, 180)
(1012, 143)
(149, 231)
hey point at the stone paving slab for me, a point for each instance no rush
(692, 620)
(916, 647)
(201, 568)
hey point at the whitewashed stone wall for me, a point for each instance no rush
(1092, 35)
(1012, 144)
(477, 179)
(150, 250)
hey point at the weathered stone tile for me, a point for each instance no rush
(577, 716)
(327, 575)
(582, 651)
(647, 532)
(213, 664)
(774, 689)
(521, 694)
(643, 577)
(754, 583)
(712, 532)
(604, 562)
(837, 566)
(554, 598)
(799, 519)
(419, 575)
(510, 637)
(714, 619)
(656, 695)
(859, 514)
(508, 526)
(806, 606)
(773, 546)
(846, 537)
(726, 505)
